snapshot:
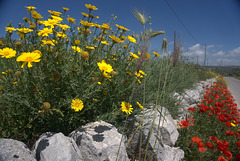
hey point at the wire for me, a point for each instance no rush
(179, 19)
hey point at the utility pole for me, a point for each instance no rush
(197, 60)
(205, 55)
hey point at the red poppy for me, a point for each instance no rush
(196, 140)
(221, 158)
(238, 157)
(228, 154)
(210, 145)
(228, 124)
(213, 138)
(191, 109)
(184, 123)
(229, 133)
(238, 143)
(237, 135)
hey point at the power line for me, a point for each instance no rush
(179, 19)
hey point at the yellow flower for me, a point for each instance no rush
(123, 37)
(36, 15)
(29, 58)
(126, 107)
(70, 19)
(59, 19)
(10, 29)
(24, 30)
(51, 22)
(77, 42)
(156, 54)
(48, 42)
(131, 39)
(30, 8)
(86, 24)
(93, 16)
(40, 22)
(61, 35)
(116, 39)
(77, 105)
(129, 73)
(140, 106)
(65, 9)
(139, 53)
(89, 48)
(138, 74)
(121, 27)
(91, 7)
(45, 32)
(4, 73)
(106, 75)
(148, 55)
(64, 27)
(233, 124)
(138, 80)
(105, 42)
(141, 72)
(103, 66)
(7, 53)
(77, 49)
(13, 83)
(54, 13)
(84, 14)
(105, 26)
(134, 56)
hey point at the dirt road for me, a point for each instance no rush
(234, 88)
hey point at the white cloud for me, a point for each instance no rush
(227, 61)
(210, 46)
(220, 53)
(235, 52)
(194, 51)
(214, 56)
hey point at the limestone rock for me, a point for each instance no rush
(56, 147)
(14, 150)
(100, 141)
(158, 127)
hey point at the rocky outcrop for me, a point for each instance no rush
(14, 150)
(155, 129)
(191, 97)
(100, 141)
(56, 147)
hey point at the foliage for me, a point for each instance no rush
(59, 74)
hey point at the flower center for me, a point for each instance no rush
(29, 59)
(6, 53)
(77, 104)
(104, 68)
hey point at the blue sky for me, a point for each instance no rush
(214, 22)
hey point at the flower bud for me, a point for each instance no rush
(46, 106)
(77, 42)
(84, 55)
(18, 43)
(18, 74)
(9, 71)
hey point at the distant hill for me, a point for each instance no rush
(232, 71)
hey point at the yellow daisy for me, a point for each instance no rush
(77, 105)
(126, 107)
